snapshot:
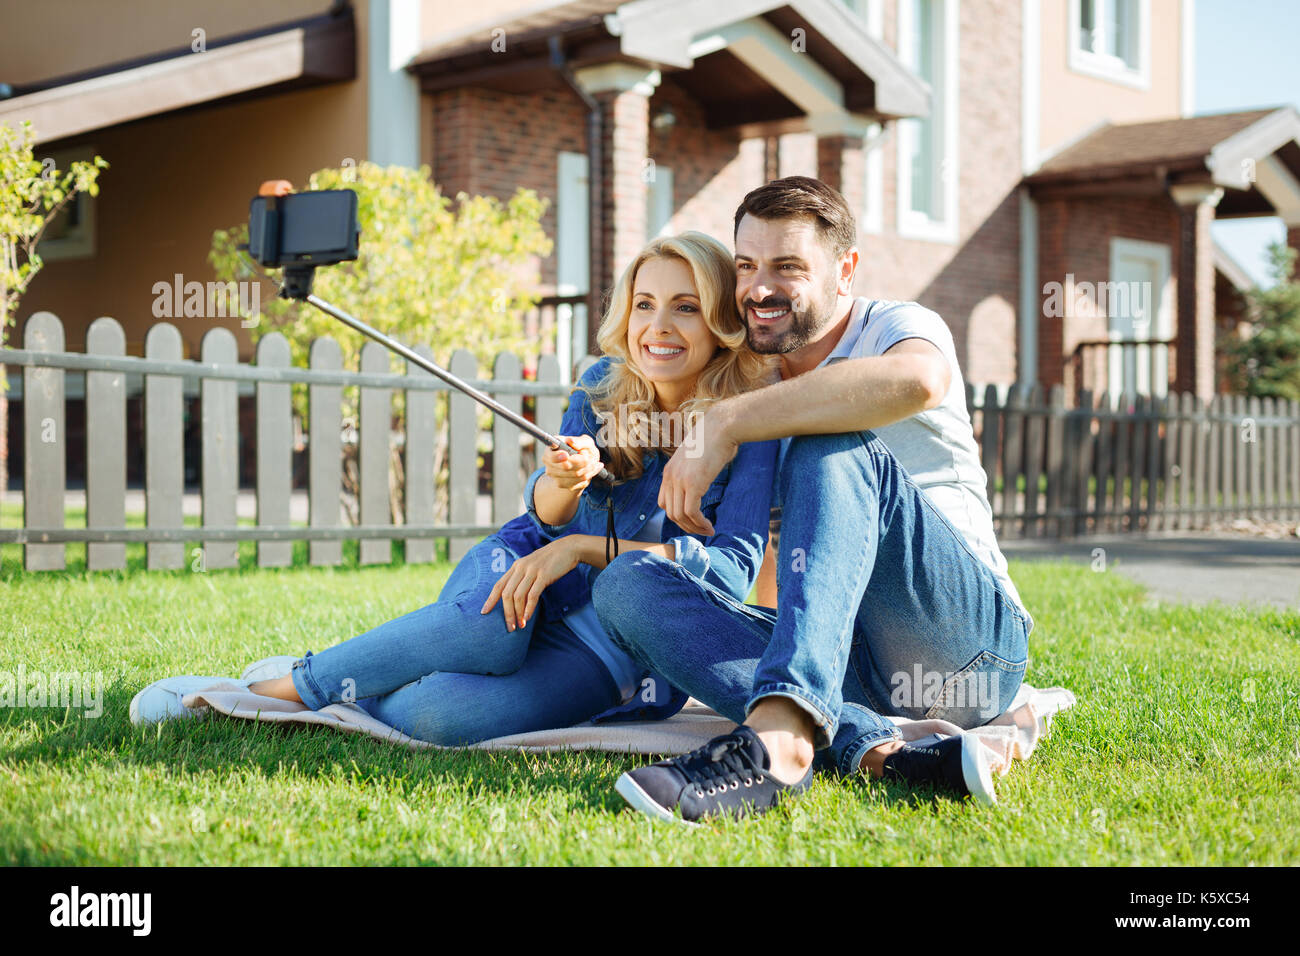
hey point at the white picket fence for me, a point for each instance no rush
(106, 366)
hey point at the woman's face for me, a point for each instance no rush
(667, 337)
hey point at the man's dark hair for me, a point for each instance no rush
(803, 196)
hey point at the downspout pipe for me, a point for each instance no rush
(595, 210)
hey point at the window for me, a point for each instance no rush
(1109, 39)
(572, 260)
(927, 167)
(658, 203)
(70, 234)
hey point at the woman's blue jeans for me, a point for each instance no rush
(449, 675)
(883, 610)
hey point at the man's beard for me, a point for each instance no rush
(803, 328)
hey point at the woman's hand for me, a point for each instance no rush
(521, 587)
(573, 471)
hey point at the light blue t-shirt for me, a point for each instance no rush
(583, 621)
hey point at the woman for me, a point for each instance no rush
(512, 643)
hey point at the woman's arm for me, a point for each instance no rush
(552, 501)
(557, 492)
(590, 548)
(520, 589)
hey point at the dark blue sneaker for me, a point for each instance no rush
(727, 776)
(958, 764)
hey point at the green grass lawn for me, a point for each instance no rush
(1183, 749)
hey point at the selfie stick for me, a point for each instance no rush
(452, 380)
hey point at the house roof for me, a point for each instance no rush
(1254, 155)
(734, 56)
(1168, 142)
(530, 23)
(275, 59)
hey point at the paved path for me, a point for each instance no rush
(1186, 567)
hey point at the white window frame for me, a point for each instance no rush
(572, 251)
(913, 224)
(1103, 65)
(872, 219)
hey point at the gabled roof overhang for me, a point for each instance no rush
(758, 65)
(287, 56)
(1253, 156)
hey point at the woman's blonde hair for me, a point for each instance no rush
(625, 400)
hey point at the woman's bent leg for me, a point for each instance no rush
(449, 635)
(561, 683)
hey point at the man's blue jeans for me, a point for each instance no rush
(883, 610)
(450, 675)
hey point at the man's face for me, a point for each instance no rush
(786, 282)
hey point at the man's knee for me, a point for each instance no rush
(629, 594)
(812, 453)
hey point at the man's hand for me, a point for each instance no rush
(521, 587)
(705, 451)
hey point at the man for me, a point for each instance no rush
(893, 597)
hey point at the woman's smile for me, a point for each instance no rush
(658, 352)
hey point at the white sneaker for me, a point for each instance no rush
(269, 668)
(161, 700)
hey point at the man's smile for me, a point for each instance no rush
(768, 315)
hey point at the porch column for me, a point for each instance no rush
(623, 92)
(1194, 354)
(1052, 315)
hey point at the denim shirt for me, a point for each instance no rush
(729, 559)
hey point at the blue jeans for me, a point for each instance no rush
(883, 610)
(449, 675)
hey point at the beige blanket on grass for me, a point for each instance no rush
(1011, 736)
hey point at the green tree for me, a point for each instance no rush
(1266, 362)
(32, 194)
(430, 271)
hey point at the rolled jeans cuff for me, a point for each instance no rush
(824, 721)
(851, 757)
(309, 691)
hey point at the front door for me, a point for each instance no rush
(1138, 307)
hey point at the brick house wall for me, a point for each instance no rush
(712, 169)
(490, 143)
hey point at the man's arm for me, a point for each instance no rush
(853, 395)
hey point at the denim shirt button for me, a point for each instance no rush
(640, 517)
